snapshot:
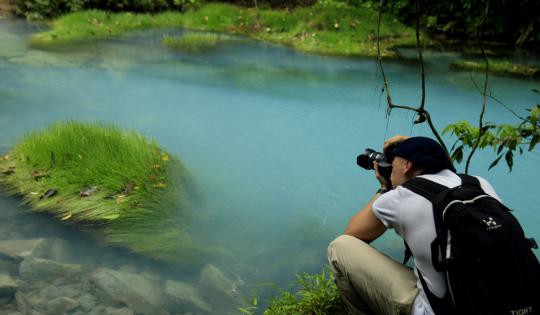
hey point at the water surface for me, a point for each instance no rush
(271, 135)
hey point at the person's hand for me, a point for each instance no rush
(385, 183)
(393, 141)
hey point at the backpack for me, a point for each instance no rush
(481, 248)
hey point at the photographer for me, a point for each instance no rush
(371, 282)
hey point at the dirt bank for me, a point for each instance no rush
(6, 8)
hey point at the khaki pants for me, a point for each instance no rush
(370, 282)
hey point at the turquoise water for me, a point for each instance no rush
(271, 135)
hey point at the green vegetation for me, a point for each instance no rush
(508, 22)
(118, 184)
(192, 42)
(505, 139)
(322, 28)
(316, 294)
(498, 67)
(46, 9)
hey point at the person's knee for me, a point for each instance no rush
(340, 248)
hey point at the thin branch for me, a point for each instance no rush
(379, 57)
(495, 99)
(422, 113)
(481, 130)
(418, 44)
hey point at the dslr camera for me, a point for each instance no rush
(366, 158)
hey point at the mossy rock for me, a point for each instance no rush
(118, 185)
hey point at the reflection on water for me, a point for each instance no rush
(270, 135)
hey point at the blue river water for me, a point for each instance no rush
(271, 135)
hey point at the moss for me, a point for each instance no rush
(341, 30)
(122, 185)
(498, 67)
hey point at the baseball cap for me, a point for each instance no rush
(423, 152)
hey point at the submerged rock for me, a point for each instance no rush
(182, 294)
(38, 269)
(137, 292)
(215, 283)
(20, 249)
(7, 288)
(61, 305)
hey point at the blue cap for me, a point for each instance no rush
(423, 152)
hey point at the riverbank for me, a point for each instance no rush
(343, 30)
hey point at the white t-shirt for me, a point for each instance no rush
(411, 216)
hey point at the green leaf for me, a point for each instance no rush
(501, 147)
(457, 155)
(509, 157)
(534, 141)
(495, 162)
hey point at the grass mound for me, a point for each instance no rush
(322, 28)
(499, 67)
(192, 42)
(120, 184)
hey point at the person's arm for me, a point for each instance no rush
(365, 225)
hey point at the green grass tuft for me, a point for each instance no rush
(309, 294)
(192, 42)
(139, 196)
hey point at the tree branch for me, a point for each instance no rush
(423, 114)
(484, 96)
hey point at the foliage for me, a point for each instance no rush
(46, 9)
(505, 139)
(116, 183)
(503, 21)
(192, 42)
(499, 67)
(343, 30)
(317, 295)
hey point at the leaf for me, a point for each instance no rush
(80, 156)
(501, 147)
(66, 217)
(165, 157)
(534, 141)
(160, 185)
(111, 216)
(509, 157)
(495, 162)
(457, 155)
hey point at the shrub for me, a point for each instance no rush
(317, 294)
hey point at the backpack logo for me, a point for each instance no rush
(491, 224)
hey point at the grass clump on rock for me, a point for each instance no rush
(118, 184)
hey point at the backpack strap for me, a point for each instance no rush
(429, 190)
(468, 179)
(424, 187)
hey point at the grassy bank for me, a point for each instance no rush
(499, 67)
(327, 29)
(117, 184)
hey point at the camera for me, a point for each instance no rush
(365, 160)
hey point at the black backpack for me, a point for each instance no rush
(480, 246)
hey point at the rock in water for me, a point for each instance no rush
(137, 292)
